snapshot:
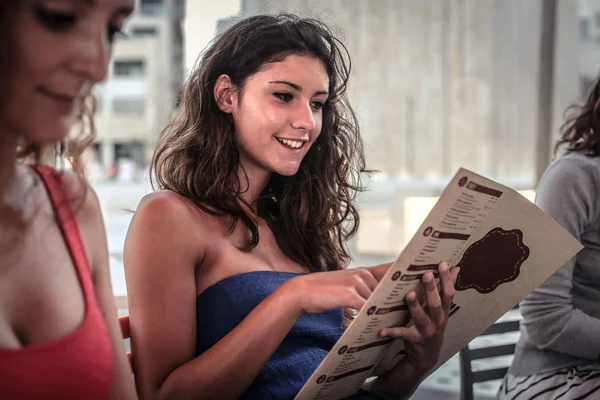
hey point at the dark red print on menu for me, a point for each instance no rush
(493, 260)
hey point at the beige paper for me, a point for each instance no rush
(505, 246)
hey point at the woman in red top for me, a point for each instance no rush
(59, 336)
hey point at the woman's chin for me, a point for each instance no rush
(287, 171)
(50, 133)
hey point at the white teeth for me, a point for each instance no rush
(295, 144)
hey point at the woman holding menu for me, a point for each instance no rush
(236, 268)
(558, 351)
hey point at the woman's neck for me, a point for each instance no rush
(253, 181)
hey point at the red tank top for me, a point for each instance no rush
(78, 365)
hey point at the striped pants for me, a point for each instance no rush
(574, 383)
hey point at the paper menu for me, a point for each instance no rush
(505, 246)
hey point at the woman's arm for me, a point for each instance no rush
(569, 193)
(162, 253)
(91, 225)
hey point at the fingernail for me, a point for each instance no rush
(383, 333)
(443, 266)
(427, 277)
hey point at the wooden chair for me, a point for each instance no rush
(466, 355)
(124, 322)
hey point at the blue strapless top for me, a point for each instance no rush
(221, 307)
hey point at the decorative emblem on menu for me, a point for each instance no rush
(493, 260)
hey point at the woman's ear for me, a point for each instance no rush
(225, 93)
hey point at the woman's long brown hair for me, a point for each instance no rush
(312, 213)
(581, 130)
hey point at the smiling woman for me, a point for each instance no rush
(236, 269)
(285, 90)
(59, 336)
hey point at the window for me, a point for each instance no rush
(133, 68)
(129, 106)
(152, 7)
(141, 31)
(584, 28)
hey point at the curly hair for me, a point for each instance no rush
(311, 213)
(581, 129)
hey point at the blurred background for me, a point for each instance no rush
(437, 85)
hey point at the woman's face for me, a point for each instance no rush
(59, 50)
(279, 113)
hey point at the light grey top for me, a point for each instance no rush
(561, 318)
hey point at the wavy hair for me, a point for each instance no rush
(311, 213)
(581, 129)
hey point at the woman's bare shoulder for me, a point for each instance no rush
(171, 207)
(169, 219)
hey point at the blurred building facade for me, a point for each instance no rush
(146, 73)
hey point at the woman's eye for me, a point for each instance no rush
(55, 20)
(284, 96)
(318, 105)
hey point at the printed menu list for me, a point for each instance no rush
(505, 247)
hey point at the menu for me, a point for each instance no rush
(505, 247)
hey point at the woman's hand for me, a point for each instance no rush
(423, 340)
(324, 291)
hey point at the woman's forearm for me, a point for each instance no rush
(228, 368)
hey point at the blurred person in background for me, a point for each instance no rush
(236, 269)
(558, 353)
(59, 336)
